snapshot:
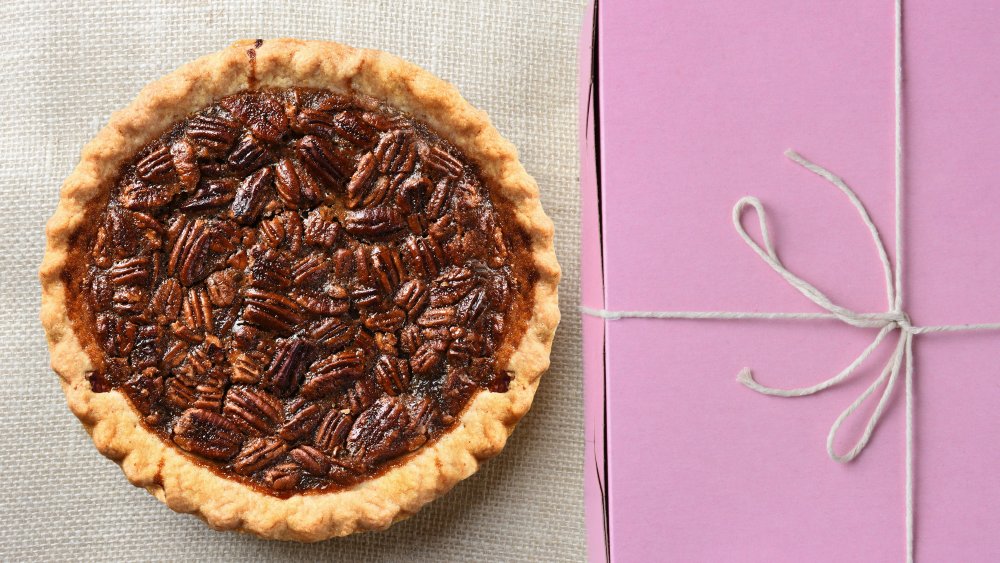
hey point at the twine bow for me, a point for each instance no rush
(891, 320)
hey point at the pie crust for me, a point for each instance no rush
(183, 482)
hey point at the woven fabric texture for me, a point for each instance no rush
(66, 66)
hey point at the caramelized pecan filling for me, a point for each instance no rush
(300, 287)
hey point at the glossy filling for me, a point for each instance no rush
(299, 288)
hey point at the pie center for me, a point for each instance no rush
(299, 288)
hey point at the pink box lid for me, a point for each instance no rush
(695, 104)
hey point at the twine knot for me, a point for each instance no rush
(902, 320)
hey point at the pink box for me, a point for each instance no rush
(693, 106)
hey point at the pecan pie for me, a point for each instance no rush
(299, 289)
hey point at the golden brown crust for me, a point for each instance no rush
(176, 479)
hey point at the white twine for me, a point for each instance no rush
(894, 318)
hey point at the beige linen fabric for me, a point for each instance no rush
(64, 67)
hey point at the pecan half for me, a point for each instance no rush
(333, 431)
(410, 339)
(427, 357)
(321, 229)
(350, 127)
(437, 316)
(184, 333)
(272, 233)
(190, 258)
(440, 161)
(393, 374)
(378, 432)
(328, 164)
(411, 195)
(413, 297)
(423, 256)
(198, 360)
(181, 389)
(365, 297)
(451, 286)
(258, 454)
(182, 154)
(271, 311)
(361, 395)
(270, 270)
(253, 410)
(140, 196)
(361, 180)
(396, 153)
(315, 121)
(207, 434)
(248, 155)
(210, 194)
(439, 199)
(471, 309)
(129, 300)
(210, 392)
(385, 321)
(302, 423)
(374, 222)
(332, 372)
(247, 367)
(175, 354)
(283, 477)
(294, 188)
(132, 271)
(252, 195)
(157, 166)
(309, 268)
(287, 367)
(263, 115)
(333, 333)
(214, 132)
(222, 288)
(386, 268)
(326, 305)
(197, 310)
(313, 461)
